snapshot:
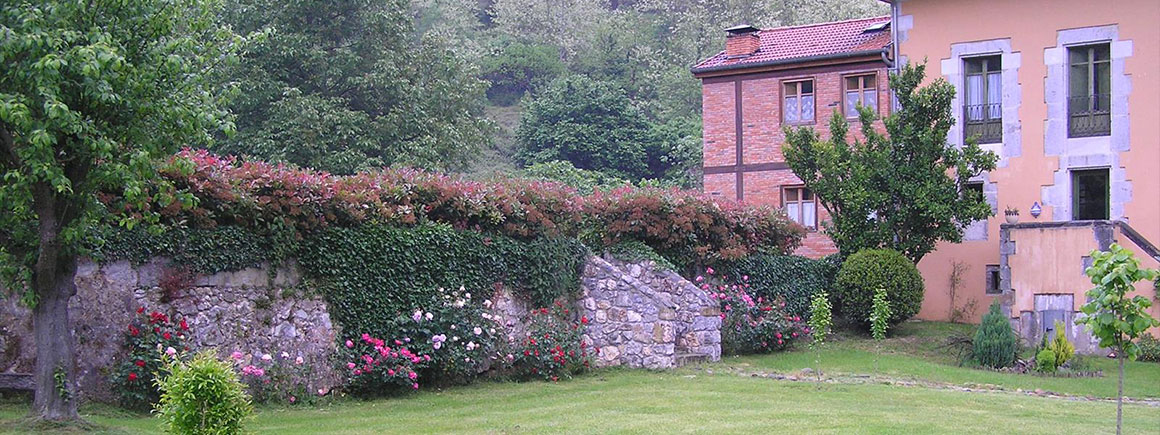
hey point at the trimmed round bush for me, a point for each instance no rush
(869, 270)
(203, 396)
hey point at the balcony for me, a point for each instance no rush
(1089, 115)
(983, 121)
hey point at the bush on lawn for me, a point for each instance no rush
(791, 278)
(1045, 361)
(995, 343)
(1149, 348)
(202, 396)
(871, 269)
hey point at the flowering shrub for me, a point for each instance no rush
(280, 377)
(374, 365)
(147, 337)
(553, 347)
(751, 325)
(456, 332)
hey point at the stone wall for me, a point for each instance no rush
(254, 311)
(640, 316)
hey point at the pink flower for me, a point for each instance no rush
(477, 330)
(417, 316)
(237, 356)
(298, 360)
(412, 375)
(292, 399)
(709, 270)
(390, 372)
(350, 365)
(170, 351)
(266, 357)
(357, 372)
(285, 355)
(415, 386)
(699, 278)
(745, 277)
(349, 344)
(321, 391)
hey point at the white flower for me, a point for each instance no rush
(487, 303)
(468, 295)
(471, 345)
(491, 330)
(429, 316)
(266, 357)
(285, 355)
(452, 326)
(477, 330)
(455, 338)
(487, 316)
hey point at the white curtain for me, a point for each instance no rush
(995, 96)
(870, 99)
(852, 103)
(793, 209)
(791, 109)
(809, 214)
(807, 108)
(974, 97)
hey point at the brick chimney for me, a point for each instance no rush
(742, 41)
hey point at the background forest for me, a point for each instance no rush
(588, 92)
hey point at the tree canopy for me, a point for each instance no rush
(91, 94)
(350, 85)
(906, 190)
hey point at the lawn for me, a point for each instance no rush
(714, 398)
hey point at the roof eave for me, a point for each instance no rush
(777, 62)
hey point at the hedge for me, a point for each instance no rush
(685, 226)
(870, 269)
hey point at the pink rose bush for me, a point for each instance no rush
(748, 324)
(273, 379)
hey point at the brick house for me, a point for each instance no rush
(767, 79)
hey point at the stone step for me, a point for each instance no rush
(682, 359)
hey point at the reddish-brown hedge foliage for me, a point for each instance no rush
(263, 195)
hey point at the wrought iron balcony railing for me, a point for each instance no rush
(1089, 115)
(984, 121)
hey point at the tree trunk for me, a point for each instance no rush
(1120, 392)
(55, 396)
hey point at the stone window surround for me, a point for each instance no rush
(1094, 152)
(952, 69)
(977, 230)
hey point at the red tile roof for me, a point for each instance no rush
(789, 44)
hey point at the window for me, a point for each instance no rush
(975, 188)
(1089, 91)
(983, 99)
(993, 280)
(801, 206)
(799, 102)
(1089, 193)
(860, 90)
(976, 230)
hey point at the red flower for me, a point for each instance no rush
(140, 310)
(140, 363)
(584, 320)
(167, 336)
(134, 331)
(184, 326)
(132, 377)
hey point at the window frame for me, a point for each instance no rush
(1090, 113)
(861, 76)
(801, 188)
(797, 82)
(987, 122)
(993, 280)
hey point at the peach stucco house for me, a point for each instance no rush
(1065, 92)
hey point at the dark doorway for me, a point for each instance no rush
(1090, 194)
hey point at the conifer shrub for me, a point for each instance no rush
(868, 270)
(995, 343)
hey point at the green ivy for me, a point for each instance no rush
(792, 278)
(636, 251)
(206, 251)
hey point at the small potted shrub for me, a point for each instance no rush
(1012, 215)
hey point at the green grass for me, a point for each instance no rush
(713, 398)
(914, 352)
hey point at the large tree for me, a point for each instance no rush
(348, 85)
(91, 93)
(905, 190)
